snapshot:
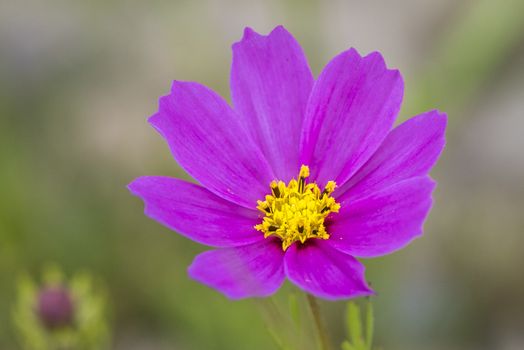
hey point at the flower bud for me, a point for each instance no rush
(55, 307)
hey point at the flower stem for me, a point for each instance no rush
(320, 327)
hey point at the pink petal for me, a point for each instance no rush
(196, 213)
(351, 109)
(324, 271)
(410, 150)
(210, 143)
(384, 221)
(270, 85)
(254, 270)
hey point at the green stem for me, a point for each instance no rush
(321, 329)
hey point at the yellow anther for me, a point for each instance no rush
(296, 212)
(304, 171)
(330, 187)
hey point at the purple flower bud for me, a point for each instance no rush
(55, 307)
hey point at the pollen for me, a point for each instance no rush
(297, 211)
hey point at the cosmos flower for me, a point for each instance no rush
(60, 313)
(299, 177)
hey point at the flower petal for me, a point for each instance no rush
(324, 271)
(270, 86)
(384, 221)
(208, 140)
(352, 107)
(410, 150)
(195, 212)
(254, 270)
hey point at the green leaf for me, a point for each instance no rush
(370, 321)
(354, 324)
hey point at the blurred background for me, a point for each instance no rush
(79, 78)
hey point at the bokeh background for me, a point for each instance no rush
(79, 78)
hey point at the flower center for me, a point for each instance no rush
(296, 212)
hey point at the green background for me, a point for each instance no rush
(79, 78)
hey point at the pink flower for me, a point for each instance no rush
(267, 168)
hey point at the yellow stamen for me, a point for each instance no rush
(296, 211)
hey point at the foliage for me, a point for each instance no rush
(89, 331)
(359, 330)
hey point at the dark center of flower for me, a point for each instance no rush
(55, 307)
(296, 211)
